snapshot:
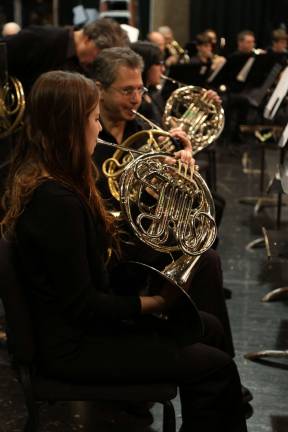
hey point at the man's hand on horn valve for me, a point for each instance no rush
(212, 96)
(182, 137)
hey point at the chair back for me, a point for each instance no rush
(17, 314)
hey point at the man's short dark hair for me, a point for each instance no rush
(241, 36)
(108, 61)
(203, 39)
(278, 35)
(106, 33)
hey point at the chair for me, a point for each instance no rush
(38, 388)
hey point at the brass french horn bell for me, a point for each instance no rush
(12, 99)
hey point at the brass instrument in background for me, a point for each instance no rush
(170, 208)
(12, 106)
(200, 117)
(175, 49)
(12, 99)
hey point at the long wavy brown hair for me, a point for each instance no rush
(53, 144)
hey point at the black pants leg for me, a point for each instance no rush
(207, 377)
(207, 292)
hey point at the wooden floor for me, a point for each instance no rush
(255, 325)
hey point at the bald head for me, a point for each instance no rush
(157, 38)
(10, 29)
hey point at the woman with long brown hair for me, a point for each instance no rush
(85, 330)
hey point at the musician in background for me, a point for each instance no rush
(246, 42)
(213, 37)
(278, 48)
(204, 55)
(158, 39)
(85, 330)
(171, 55)
(38, 49)
(152, 105)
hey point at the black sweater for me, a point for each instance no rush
(61, 252)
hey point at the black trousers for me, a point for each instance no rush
(149, 351)
(208, 294)
(206, 288)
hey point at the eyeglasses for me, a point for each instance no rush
(129, 91)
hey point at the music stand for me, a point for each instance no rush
(277, 96)
(226, 75)
(261, 67)
(276, 244)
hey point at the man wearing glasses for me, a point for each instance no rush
(118, 72)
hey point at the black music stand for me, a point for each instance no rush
(277, 96)
(227, 75)
(276, 245)
(270, 111)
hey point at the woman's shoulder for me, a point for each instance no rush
(52, 193)
(50, 187)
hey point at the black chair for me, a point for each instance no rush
(38, 388)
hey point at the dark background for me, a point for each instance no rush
(227, 17)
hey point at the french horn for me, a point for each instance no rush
(201, 118)
(170, 208)
(12, 99)
(12, 106)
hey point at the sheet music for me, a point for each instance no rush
(242, 75)
(284, 137)
(79, 15)
(277, 96)
(216, 71)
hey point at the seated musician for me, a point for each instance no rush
(279, 44)
(152, 105)
(246, 42)
(171, 55)
(118, 73)
(85, 332)
(205, 56)
(157, 38)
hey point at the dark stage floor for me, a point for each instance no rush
(256, 325)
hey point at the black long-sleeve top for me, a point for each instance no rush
(61, 252)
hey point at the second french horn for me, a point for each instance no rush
(190, 109)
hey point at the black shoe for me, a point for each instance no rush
(246, 395)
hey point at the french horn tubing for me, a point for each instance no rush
(12, 99)
(170, 208)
